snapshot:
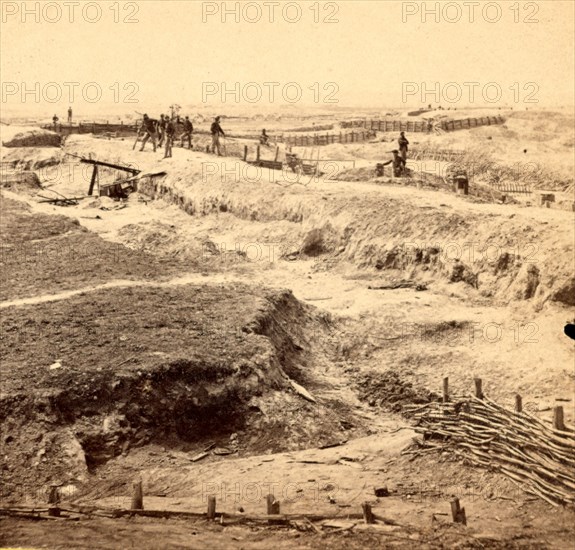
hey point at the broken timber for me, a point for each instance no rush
(97, 163)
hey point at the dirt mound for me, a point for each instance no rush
(19, 180)
(14, 136)
(32, 158)
(121, 367)
(390, 391)
(34, 247)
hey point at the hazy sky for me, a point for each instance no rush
(369, 54)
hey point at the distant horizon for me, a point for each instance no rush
(116, 112)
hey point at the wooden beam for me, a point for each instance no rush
(110, 165)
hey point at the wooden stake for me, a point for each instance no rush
(53, 496)
(257, 153)
(558, 418)
(446, 389)
(478, 388)
(518, 404)
(458, 513)
(211, 515)
(138, 497)
(367, 513)
(245, 153)
(273, 508)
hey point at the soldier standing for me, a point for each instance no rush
(187, 135)
(69, 115)
(403, 143)
(169, 133)
(216, 131)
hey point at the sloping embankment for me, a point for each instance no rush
(86, 379)
(497, 250)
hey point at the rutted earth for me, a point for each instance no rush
(134, 338)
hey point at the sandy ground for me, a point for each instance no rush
(515, 347)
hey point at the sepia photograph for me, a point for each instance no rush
(293, 275)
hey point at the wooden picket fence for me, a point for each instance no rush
(325, 139)
(429, 153)
(397, 125)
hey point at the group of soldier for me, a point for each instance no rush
(163, 131)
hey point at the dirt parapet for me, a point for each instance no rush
(500, 255)
(30, 137)
(117, 369)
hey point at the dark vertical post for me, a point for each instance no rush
(137, 497)
(478, 388)
(367, 513)
(93, 180)
(558, 418)
(211, 515)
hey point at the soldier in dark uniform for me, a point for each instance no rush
(187, 135)
(169, 133)
(403, 143)
(264, 138)
(216, 131)
(398, 164)
(149, 125)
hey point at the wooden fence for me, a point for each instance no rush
(537, 456)
(121, 129)
(425, 153)
(423, 125)
(325, 139)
